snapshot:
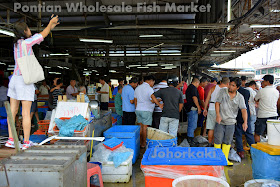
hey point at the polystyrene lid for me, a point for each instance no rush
(184, 156)
(273, 120)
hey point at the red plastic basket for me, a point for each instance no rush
(76, 133)
(43, 125)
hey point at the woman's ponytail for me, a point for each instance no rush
(19, 29)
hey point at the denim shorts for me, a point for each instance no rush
(144, 117)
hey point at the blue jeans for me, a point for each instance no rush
(169, 125)
(252, 123)
(192, 122)
(248, 134)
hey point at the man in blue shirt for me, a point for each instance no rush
(115, 91)
(128, 106)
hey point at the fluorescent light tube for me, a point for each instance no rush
(143, 67)
(151, 36)
(166, 68)
(95, 40)
(59, 54)
(112, 71)
(224, 51)
(220, 55)
(265, 26)
(9, 33)
(136, 65)
(152, 65)
(166, 64)
(10, 69)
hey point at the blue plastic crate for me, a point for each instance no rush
(129, 134)
(265, 166)
(184, 156)
(3, 112)
(162, 143)
(37, 138)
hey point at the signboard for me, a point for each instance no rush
(70, 109)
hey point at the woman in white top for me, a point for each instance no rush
(18, 90)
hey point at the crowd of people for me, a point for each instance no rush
(217, 109)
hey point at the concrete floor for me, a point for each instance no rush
(237, 174)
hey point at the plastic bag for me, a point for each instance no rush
(102, 154)
(119, 157)
(263, 139)
(184, 143)
(48, 115)
(67, 127)
(200, 139)
(234, 156)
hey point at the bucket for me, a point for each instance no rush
(273, 132)
(260, 182)
(158, 138)
(199, 181)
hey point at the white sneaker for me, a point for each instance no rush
(27, 145)
(11, 144)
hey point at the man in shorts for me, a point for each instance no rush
(267, 98)
(228, 102)
(210, 112)
(144, 106)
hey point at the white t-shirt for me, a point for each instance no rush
(105, 97)
(44, 90)
(252, 103)
(268, 98)
(143, 95)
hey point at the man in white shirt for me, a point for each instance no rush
(267, 98)
(71, 90)
(158, 111)
(144, 106)
(3, 93)
(44, 88)
(104, 91)
(252, 104)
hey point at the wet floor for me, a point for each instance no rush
(236, 175)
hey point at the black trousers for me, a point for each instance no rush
(156, 119)
(104, 106)
(129, 118)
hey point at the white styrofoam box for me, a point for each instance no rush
(117, 178)
(119, 174)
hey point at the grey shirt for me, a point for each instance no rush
(229, 107)
(171, 98)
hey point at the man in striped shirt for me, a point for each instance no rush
(57, 92)
(158, 111)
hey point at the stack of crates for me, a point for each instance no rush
(162, 165)
(129, 134)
